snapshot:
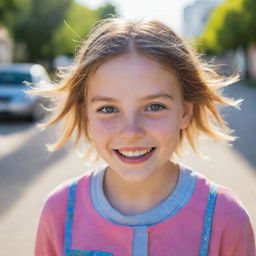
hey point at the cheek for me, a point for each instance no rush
(164, 126)
(166, 131)
(101, 129)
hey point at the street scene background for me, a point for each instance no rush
(28, 172)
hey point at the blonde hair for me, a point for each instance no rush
(199, 82)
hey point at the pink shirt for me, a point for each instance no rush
(180, 235)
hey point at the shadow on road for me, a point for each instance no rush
(20, 168)
(10, 125)
(243, 121)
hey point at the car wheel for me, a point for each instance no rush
(37, 113)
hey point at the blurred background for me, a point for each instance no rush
(37, 36)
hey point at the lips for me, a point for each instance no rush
(134, 159)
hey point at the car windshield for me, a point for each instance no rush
(14, 78)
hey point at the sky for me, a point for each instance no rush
(168, 11)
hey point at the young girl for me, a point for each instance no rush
(135, 93)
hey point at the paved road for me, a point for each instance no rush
(28, 172)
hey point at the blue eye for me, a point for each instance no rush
(107, 110)
(155, 107)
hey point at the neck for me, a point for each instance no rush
(131, 198)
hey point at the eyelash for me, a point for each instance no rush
(162, 107)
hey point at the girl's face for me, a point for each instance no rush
(135, 114)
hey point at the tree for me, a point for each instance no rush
(7, 7)
(107, 11)
(232, 25)
(250, 12)
(79, 22)
(36, 24)
(47, 28)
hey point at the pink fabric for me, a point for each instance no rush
(232, 233)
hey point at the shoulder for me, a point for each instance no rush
(56, 201)
(228, 206)
(232, 227)
(229, 209)
(51, 227)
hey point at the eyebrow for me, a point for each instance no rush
(149, 97)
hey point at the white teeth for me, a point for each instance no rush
(130, 153)
(134, 153)
(138, 153)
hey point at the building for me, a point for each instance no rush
(197, 15)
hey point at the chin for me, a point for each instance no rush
(135, 175)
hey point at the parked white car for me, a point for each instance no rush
(14, 101)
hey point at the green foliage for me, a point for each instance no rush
(250, 12)
(49, 27)
(7, 7)
(231, 25)
(79, 22)
(106, 11)
(35, 24)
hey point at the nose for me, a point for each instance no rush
(132, 129)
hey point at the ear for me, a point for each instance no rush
(187, 114)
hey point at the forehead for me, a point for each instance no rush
(132, 74)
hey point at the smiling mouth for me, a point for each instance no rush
(137, 153)
(134, 157)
